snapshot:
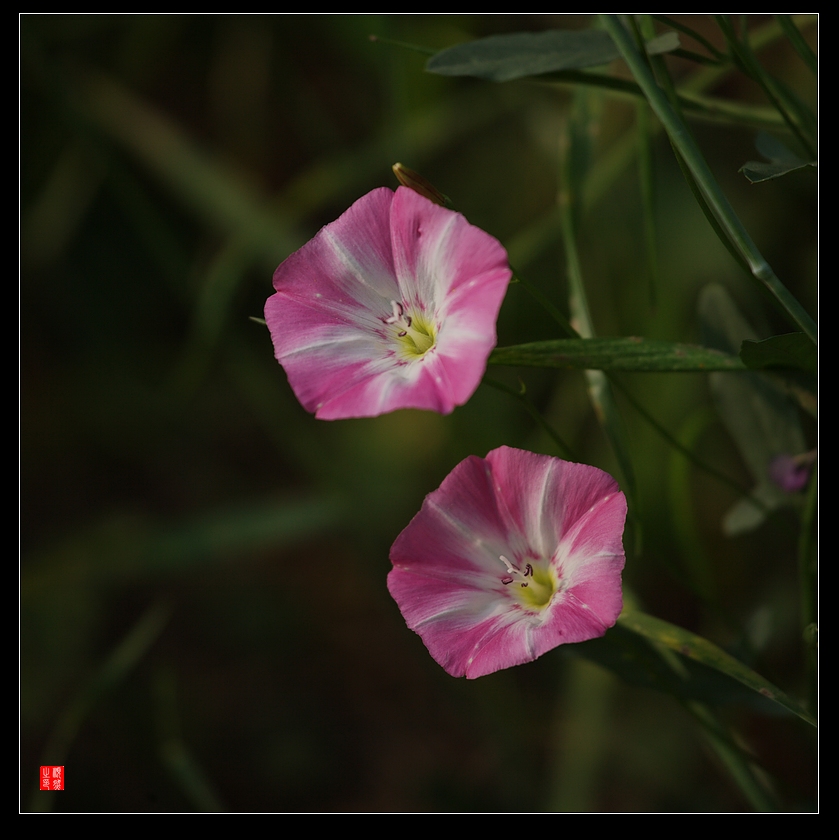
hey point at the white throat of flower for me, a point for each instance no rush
(415, 334)
(535, 585)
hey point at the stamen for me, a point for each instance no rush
(398, 312)
(539, 583)
(421, 337)
(514, 573)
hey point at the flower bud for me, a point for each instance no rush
(415, 181)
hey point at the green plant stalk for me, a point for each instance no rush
(693, 561)
(617, 157)
(547, 305)
(748, 62)
(691, 33)
(693, 158)
(662, 75)
(600, 391)
(699, 107)
(799, 44)
(645, 176)
(687, 453)
(733, 758)
(564, 449)
(762, 37)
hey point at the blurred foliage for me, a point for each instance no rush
(205, 623)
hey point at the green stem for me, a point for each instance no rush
(693, 158)
(691, 33)
(564, 449)
(733, 758)
(799, 44)
(699, 464)
(548, 306)
(750, 65)
(699, 107)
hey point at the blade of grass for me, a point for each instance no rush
(112, 672)
(785, 106)
(182, 765)
(799, 44)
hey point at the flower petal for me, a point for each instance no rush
(456, 270)
(449, 579)
(331, 317)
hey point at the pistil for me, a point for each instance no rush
(419, 337)
(539, 585)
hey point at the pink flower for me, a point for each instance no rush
(513, 555)
(391, 306)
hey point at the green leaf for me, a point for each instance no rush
(638, 660)
(781, 160)
(699, 650)
(630, 354)
(793, 350)
(501, 58)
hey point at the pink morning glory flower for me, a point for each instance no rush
(393, 305)
(514, 554)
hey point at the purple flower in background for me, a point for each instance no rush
(393, 305)
(791, 473)
(513, 555)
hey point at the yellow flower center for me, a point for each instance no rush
(416, 334)
(532, 587)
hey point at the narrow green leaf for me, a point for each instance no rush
(502, 58)
(639, 660)
(629, 354)
(781, 160)
(700, 650)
